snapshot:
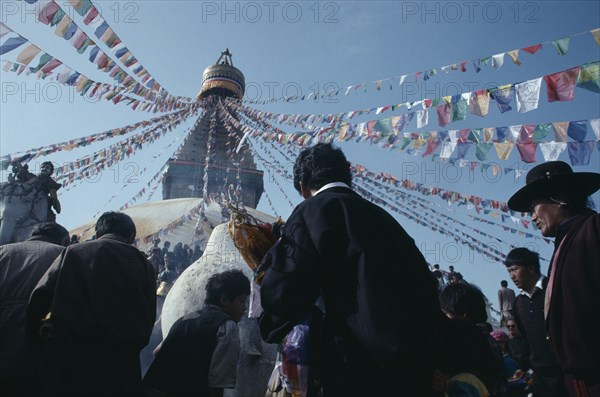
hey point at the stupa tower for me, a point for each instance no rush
(208, 153)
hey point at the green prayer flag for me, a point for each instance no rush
(561, 45)
(459, 110)
(589, 76)
(541, 131)
(475, 135)
(482, 150)
(57, 17)
(44, 59)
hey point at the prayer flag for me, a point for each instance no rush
(526, 133)
(28, 54)
(71, 30)
(50, 66)
(432, 145)
(577, 130)
(422, 118)
(58, 16)
(44, 59)
(4, 30)
(589, 76)
(444, 114)
(482, 150)
(552, 150)
(447, 150)
(532, 49)
(560, 131)
(462, 149)
(480, 103)
(101, 29)
(47, 12)
(561, 86)
(503, 95)
(503, 149)
(93, 13)
(497, 60)
(527, 151)
(541, 131)
(63, 25)
(595, 126)
(579, 152)
(514, 55)
(561, 45)
(459, 108)
(596, 35)
(528, 95)
(11, 44)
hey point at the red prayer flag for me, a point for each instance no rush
(527, 151)
(532, 49)
(561, 86)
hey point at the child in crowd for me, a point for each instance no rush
(467, 347)
(199, 355)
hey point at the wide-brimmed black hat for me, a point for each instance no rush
(551, 178)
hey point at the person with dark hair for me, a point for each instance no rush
(199, 355)
(21, 267)
(348, 254)
(74, 239)
(523, 266)
(439, 276)
(465, 302)
(558, 200)
(506, 299)
(518, 345)
(101, 297)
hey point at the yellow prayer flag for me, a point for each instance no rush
(514, 54)
(596, 34)
(62, 26)
(503, 149)
(560, 131)
(28, 54)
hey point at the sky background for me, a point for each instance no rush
(310, 46)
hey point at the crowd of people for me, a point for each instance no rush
(73, 320)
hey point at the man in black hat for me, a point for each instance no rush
(557, 198)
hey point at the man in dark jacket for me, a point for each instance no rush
(102, 298)
(377, 338)
(21, 267)
(523, 266)
(557, 199)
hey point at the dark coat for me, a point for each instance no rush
(573, 321)
(381, 308)
(22, 265)
(102, 299)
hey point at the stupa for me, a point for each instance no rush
(209, 155)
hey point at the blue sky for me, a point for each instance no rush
(308, 45)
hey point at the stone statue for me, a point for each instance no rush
(49, 186)
(24, 202)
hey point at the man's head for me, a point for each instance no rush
(52, 232)
(523, 267)
(167, 244)
(511, 326)
(319, 165)
(169, 259)
(116, 223)
(436, 266)
(463, 301)
(553, 193)
(229, 291)
(47, 168)
(504, 283)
